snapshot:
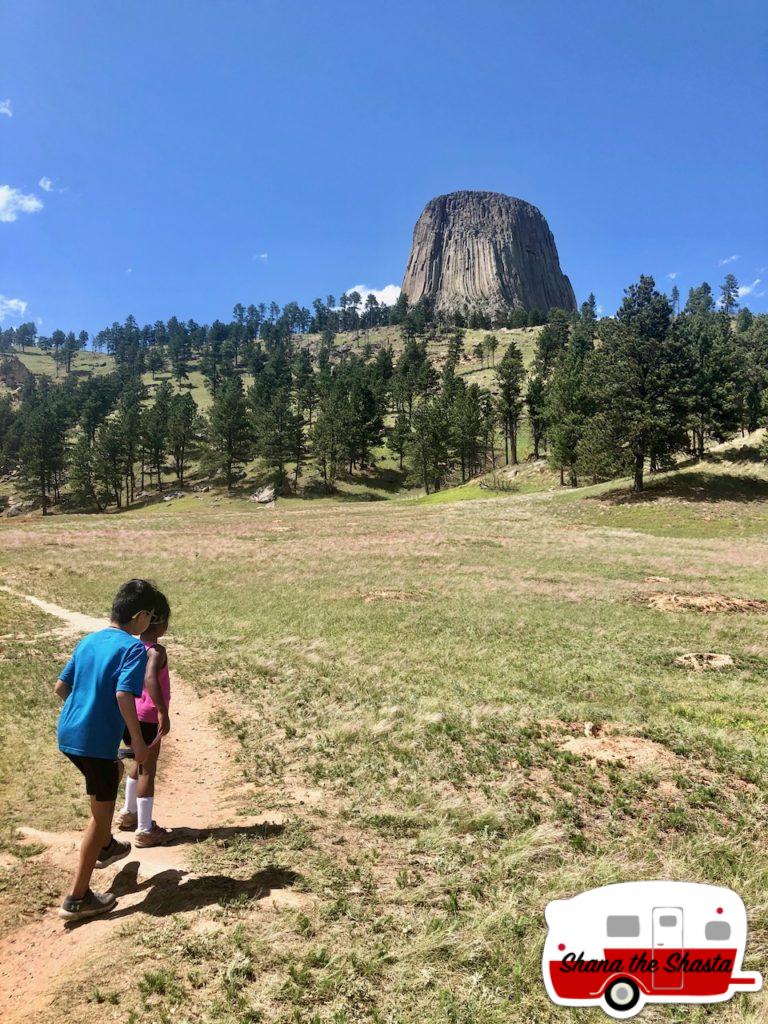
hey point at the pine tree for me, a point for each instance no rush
(400, 436)
(328, 434)
(275, 426)
(183, 431)
(41, 451)
(82, 477)
(428, 448)
(108, 465)
(638, 383)
(729, 291)
(153, 430)
(713, 367)
(536, 401)
(567, 409)
(229, 432)
(510, 376)
(465, 420)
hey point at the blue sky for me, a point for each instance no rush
(178, 157)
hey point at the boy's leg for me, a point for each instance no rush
(98, 833)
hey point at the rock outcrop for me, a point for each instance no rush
(486, 251)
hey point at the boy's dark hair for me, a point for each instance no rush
(133, 597)
(161, 611)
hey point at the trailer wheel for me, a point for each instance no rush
(623, 995)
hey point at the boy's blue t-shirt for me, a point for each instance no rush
(103, 664)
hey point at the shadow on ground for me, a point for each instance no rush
(693, 487)
(265, 830)
(174, 892)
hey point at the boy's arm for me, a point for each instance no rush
(127, 704)
(155, 661)
(62, 689)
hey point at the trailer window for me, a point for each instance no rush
(620, 927)
(668, 920)
(717, 930)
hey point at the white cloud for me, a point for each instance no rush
(13, 202)
(673, 274)
(46, 184)
(129, 270)
(6, 108)
(727, 259)
(387, 296)
(261, 256)
(747, 289)
(762, 270)
(12, 307)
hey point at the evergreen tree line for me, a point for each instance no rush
(605, 397)
(175, 344)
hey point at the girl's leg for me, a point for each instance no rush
(146, 785)
(146, 791)
(131, 784)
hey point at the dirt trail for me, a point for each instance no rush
(194, 797)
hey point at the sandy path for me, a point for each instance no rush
(194, 797)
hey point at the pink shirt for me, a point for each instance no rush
(145, 707)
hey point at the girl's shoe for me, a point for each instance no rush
(114, 850)
(127, 821)
(155, 837)
(90, 905)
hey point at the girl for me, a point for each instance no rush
(152, 711)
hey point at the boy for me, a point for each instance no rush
(99, 686)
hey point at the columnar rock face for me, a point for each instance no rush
(486, 251)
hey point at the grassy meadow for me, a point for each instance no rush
(411, 680)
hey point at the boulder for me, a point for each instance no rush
(265, 496)
(485, 251)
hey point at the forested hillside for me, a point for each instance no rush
(394, 396)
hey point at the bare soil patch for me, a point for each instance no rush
(707, 603)
(703, 661)
(634, 751)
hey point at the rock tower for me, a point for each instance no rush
(486, 251)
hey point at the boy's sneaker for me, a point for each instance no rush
(114, 850)
(127, 821)
(90, 905)
(155, 837)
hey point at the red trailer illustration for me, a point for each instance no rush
(625, 945)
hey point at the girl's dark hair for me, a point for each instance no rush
(161, 610)
(133, 597)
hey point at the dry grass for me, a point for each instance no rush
(409, 685)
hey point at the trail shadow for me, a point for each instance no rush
(173, 891)
(693, 487)
(265, 830)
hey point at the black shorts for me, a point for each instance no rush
(148, 734)
(102, 777)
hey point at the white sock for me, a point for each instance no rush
(131, 785)
(145, 805)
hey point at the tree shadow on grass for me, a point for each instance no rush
(173, 891)
(694, 487)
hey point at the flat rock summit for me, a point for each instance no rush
(487, 251)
